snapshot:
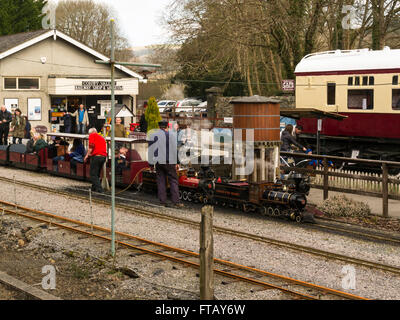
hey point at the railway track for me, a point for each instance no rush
(223, 230)
(266, 280)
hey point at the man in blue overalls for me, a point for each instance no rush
(163, 153)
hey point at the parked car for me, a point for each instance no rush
(201, 110)
(165, 104)
(186, 107)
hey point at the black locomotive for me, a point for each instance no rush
(280, 199)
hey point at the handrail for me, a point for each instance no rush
(352, 160)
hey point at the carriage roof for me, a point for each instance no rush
(350, 60)
(86, 137)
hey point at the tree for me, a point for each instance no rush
(259, 42)
(20, 16)
(152, 114)
(89, 23)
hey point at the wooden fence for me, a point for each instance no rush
(360, 182)
(330, 179)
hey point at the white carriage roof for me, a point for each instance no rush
(350, 60)
(14, 43)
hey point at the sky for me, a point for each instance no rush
(139, 20)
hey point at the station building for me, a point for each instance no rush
(46, 73)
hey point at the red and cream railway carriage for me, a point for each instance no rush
(363, 85)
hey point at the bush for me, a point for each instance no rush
(152, 114)
(344, 207)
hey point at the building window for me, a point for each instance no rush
(350, 81)
(365, 81)
(360, 99)
(28, 83)
(395, 80)
(357, 81)
(396, 99)
(21, 84)
(331, 93)
(10, 83)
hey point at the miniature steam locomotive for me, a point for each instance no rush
(285, 198)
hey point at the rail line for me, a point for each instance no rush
(223, 230)
(304, 290)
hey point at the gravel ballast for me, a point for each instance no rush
(369, 283)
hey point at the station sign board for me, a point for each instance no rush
(288, 85)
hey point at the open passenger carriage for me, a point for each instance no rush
(136, 160)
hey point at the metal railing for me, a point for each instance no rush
(379, 184)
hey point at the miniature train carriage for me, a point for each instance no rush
(131, 174)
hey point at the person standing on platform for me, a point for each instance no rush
(67, 122)
(82, 119)
(142, 121)
(119, 128)
(18, 126)
(5, 119)
(163, 154)
(27, 128)
(98, 155)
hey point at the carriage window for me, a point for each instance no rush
(365, 81)
(360, 99)
(395, 80)
(396, 99)
(350, 81)
(357, 81)
(331, 93)
(371, 81)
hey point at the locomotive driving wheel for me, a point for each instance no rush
(246, 208)
(263, 211)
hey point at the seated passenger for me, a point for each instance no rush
(58, 150)
(288, 140)
(38, 142)
(53, 148)
(120, 160)
(76, 154)
(316, 163)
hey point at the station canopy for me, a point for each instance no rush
(299, 113)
